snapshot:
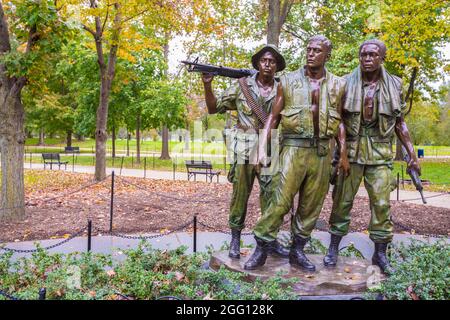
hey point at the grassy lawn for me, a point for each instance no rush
(150, 162)
(437, 171)
(88, 146)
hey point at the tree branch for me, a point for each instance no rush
(135, 16)
(293, 33)
(85, 27)
(5, 45)
(287, 5)
(33, 37)
(106, 18)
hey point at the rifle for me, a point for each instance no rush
(414, 175)
(218, 71)
(334, 164)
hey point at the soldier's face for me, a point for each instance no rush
(316, 54)
(267, 64)
(370, 58)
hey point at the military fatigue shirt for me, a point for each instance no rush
(244, 143)
(297, 118)
(370, 142)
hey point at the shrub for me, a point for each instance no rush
(422, 271)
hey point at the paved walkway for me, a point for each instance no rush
(205, 241)
(435, 199)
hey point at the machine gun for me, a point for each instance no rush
(413, 174)
(217, 71)
(334, 164)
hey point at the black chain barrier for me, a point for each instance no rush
(406, 228)
(45, 248)
(76, 190)
(61, 196)
(433, 196)
(221, 231)
(124, 236)
(8, 296)
(164, 195)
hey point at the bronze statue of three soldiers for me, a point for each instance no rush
(362, 111)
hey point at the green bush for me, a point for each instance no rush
(144, 274)
(422, 271)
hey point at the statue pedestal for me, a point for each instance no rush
(350, 276)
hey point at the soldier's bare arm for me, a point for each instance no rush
(403, 134)
(210, 98)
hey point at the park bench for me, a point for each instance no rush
(195, 167)
(53, 158)
(72, 149)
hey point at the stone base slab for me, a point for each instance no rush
(350, 276)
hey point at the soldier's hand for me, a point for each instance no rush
(414, 165)
(344, 166)
(207, 77)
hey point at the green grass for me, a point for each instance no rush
(88, 146)
(437, 171)
(150, 163)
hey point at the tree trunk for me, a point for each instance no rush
(165, 132)
(69, 138)
(187, 139)
(165, 144)
(273, 30)
(278, 12)
(100, 132)
(107, 73)
(398, 150)
(41, 137)
(12, 143)
(138, 139)
(128, 143)
(113, 141)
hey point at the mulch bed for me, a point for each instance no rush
(148, 206)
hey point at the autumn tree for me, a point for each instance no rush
(31, 32)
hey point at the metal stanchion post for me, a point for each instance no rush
(403, 179)
(195, 233)
(42, 293)
(73, 162)
(89, 243)
(111, 209)
(121, 166)
(398, 186)
(145, 166)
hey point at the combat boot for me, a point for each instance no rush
(379, 258)
(297, 256)
(235, 244)
(330, 260)
(278, 250)
(259, 256)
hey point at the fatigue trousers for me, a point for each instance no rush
(243, 177)
(379, 183)
(301, 170)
